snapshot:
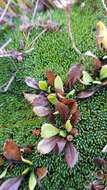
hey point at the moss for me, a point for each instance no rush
(17, 120)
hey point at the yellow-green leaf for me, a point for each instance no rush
(103, 72)
(58, 84)
(32, 181)
(52, 98)
(26, 171)
(27, 161)
(63, 133)
(87, 79)
(43, 85)
(68, 126)
(48, 130)
(3, 174)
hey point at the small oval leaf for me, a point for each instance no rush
(3, 174)
(58, 84)
(48, 130)
(43, 85)
(68, 126)
(32, 181)
(87, 79)
(103, 72)
(52, 98)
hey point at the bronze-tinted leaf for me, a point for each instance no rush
(100, 161)
(27, 149)
(51, 77)
(75, 117)
(71, 155)
(97, 63)
(85, 94)
(63, 110)
(41, 172)
(11, 151)
(65, 101)
(74, 74)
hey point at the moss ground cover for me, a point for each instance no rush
(17, 120)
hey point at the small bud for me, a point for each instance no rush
(70, 137)
(36, 132)
(74, 132)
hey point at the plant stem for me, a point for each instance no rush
(5, 10)
(70, 35)
(36, 38)
(35, 11)
(5, 44)
(5, 87)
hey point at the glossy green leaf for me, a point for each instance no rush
(52, 98)
(87, 79)
(58, 84)
(68, 126)
(63, 133)
(103, 72)
(71, 93)
(3, 174)
(43, 85)
(48, 130)
(32, 181)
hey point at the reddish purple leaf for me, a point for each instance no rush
(63, 110)
(36, 100)
(100, 161)
(74, 74)
(30, 97)
(75, 117)
(97, 63)
(85, 94)
(31, 82)
(61, 144)
(96, 185)
(12, 184)
(41, 111)
(17, 55)
(71, 155)
(47, 145)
